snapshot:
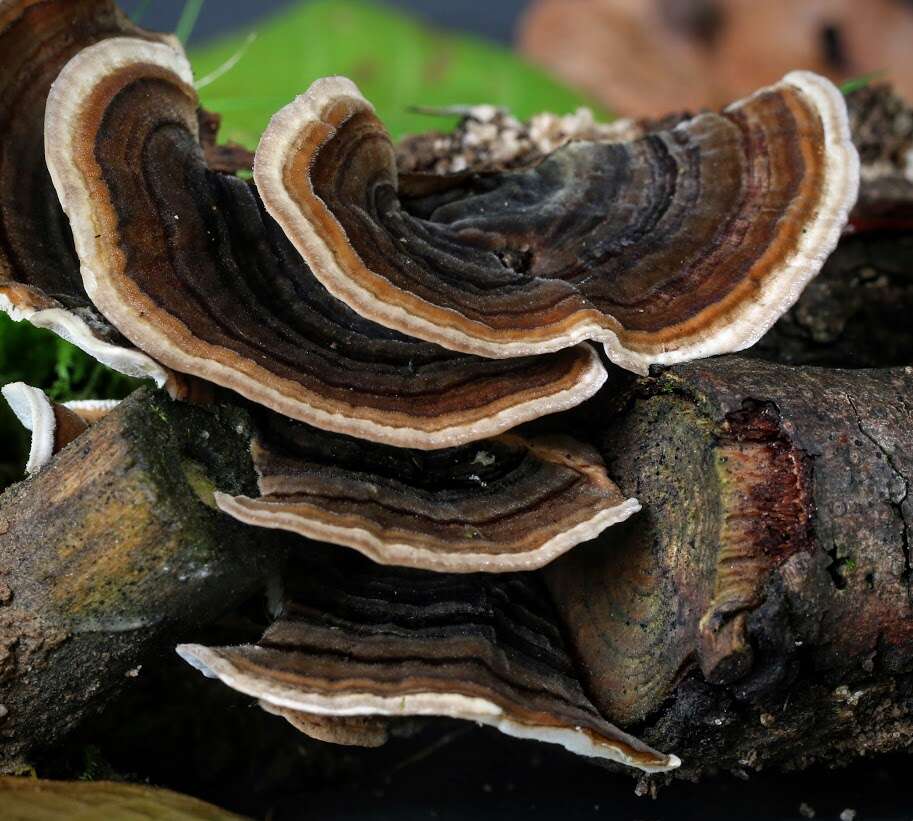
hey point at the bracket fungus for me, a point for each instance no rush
(53, 426)
(401, 643)
(502, 504)
(392, 328)
(680, 245)
(185, 262)
(39, 270)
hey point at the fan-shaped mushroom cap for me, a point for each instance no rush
(91, 410)
(187, 265)
(683, 244)
(372, 642)
(39, 271)
(502, 504)
(53, 426)
(36, 413)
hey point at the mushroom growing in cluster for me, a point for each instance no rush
(355, 642)
(39, 270)
(389, 331)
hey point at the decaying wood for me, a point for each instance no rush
(759, 612)
(114, 552)
(39, 800)
(855, 313)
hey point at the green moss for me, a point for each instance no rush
(200, 483)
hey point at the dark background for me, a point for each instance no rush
(494, 19)
(468, 773)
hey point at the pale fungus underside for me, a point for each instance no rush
(360, 642)
(52, 425)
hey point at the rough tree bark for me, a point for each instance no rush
(759, 612)
(856, 313)
(112, 553)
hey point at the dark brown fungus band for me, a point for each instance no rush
(362, 642)
(682, 244)
(39, 270)
(501, 504)
(188, 265)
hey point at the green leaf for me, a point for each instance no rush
(863, 80)
(396, 62)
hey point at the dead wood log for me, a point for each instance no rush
(114, 552)
(759, 611)
(855, 313)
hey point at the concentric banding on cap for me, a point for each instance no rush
(187, 264)
(674, 246)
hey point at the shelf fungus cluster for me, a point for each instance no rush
(39, 271)
(677, 246)
(507, 503)
(356, 649)
(389, 331)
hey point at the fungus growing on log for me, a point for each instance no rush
(185, 262)
(356, 641)
(53, 426)
(39, 271)
(499, 505)
(683, 244)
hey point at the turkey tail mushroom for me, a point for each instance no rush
(364, 643)
(53, 426)
(39, 270)
(502, 504)
(188, 266)
(683, 244)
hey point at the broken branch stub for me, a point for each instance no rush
(767, 580)
(111, 553)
